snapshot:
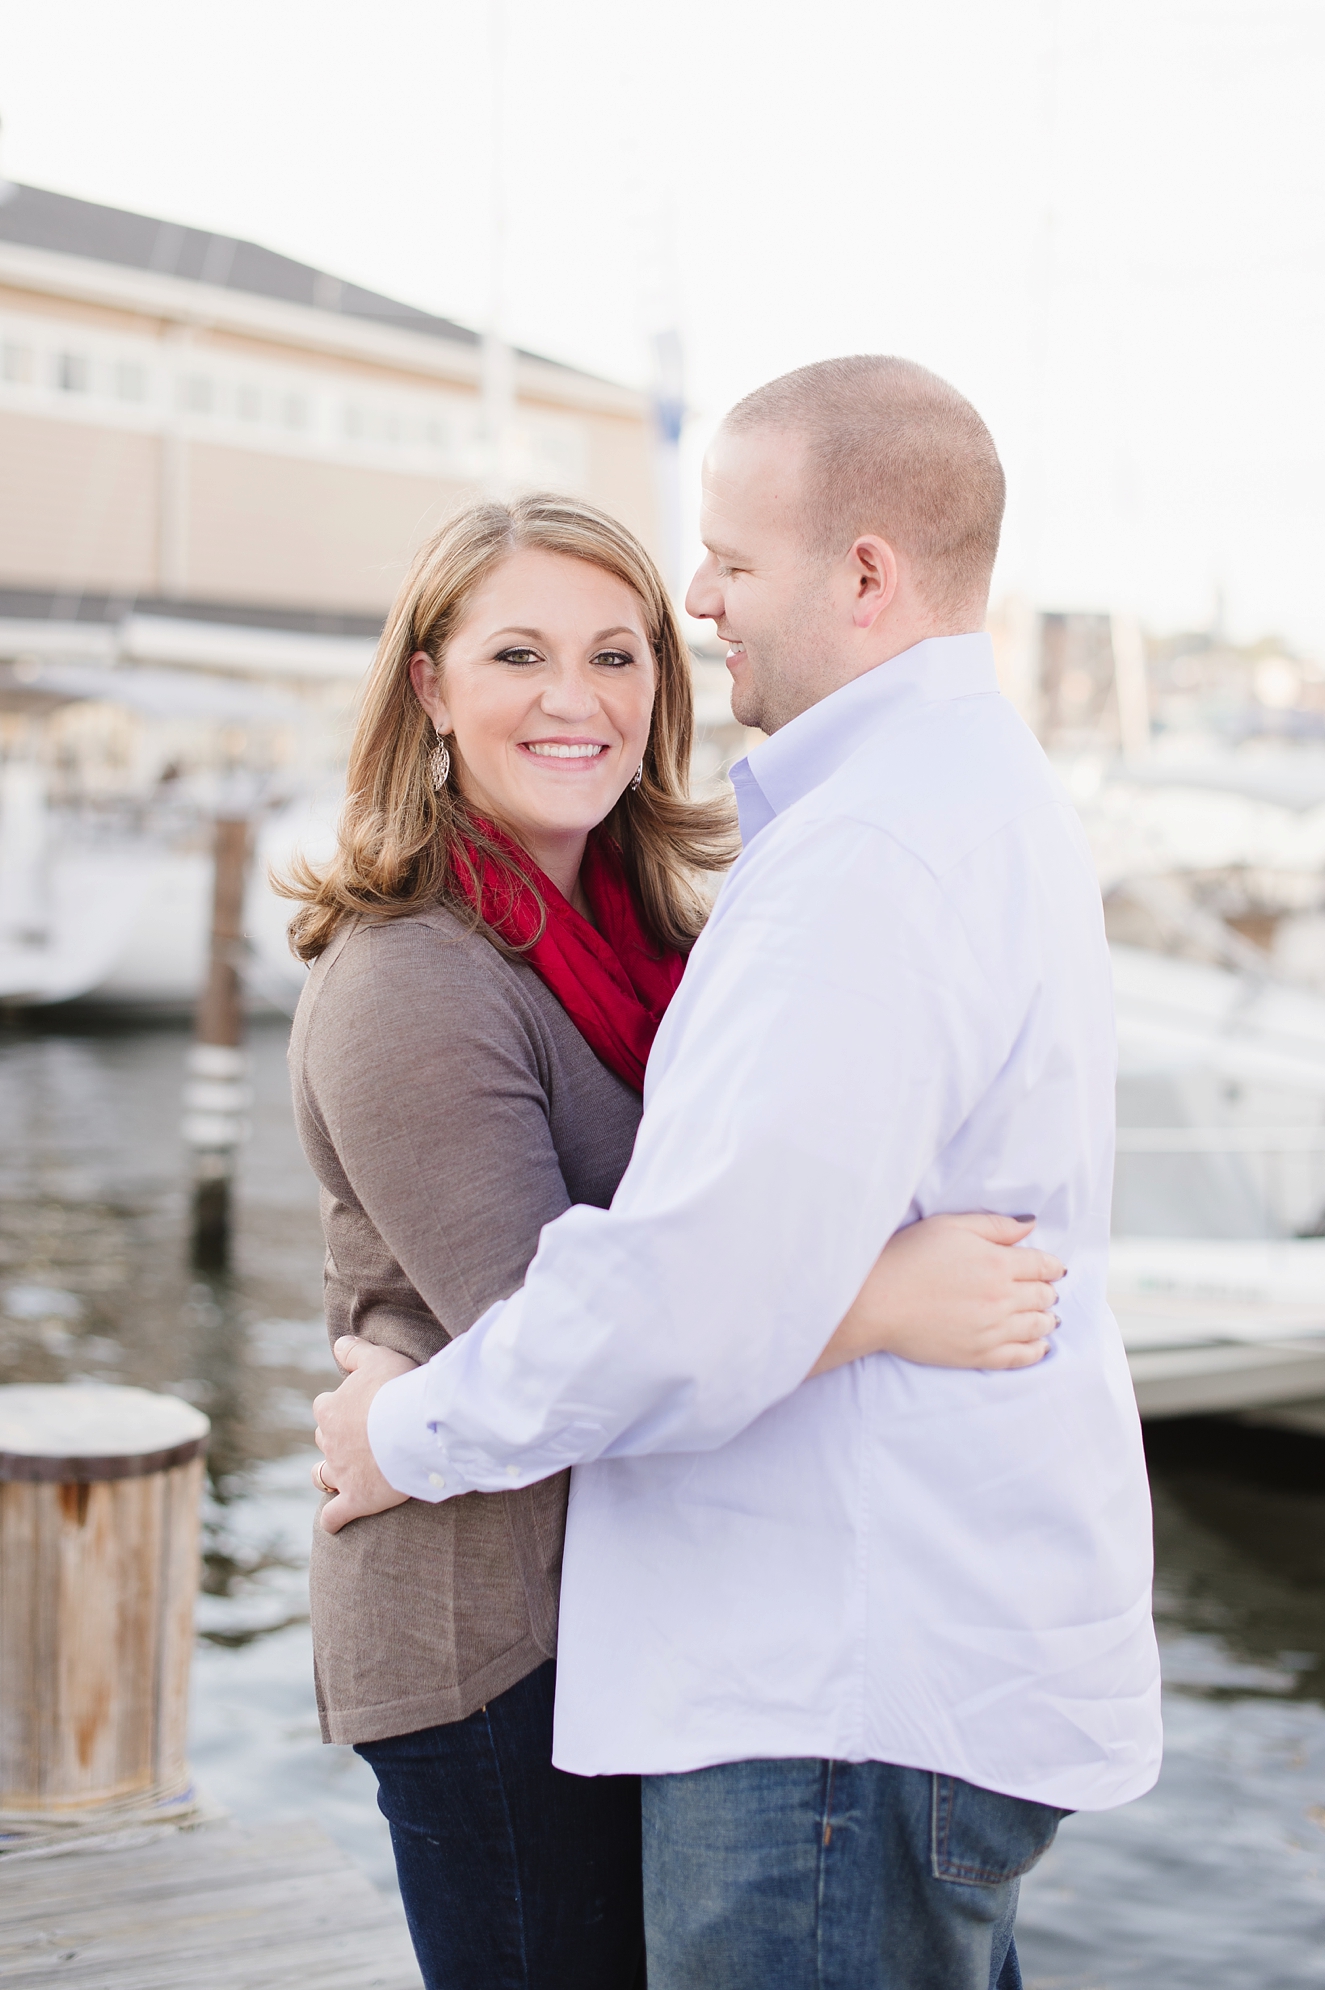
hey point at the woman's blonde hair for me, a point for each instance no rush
(402, 843)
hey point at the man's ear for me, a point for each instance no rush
(872, 565)
(423, 675)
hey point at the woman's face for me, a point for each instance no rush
(546, 694)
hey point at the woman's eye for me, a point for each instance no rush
(615, 659)
(518, 656)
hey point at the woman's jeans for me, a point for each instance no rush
(514, 1875)
(812, 1875)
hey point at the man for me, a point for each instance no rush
(866, 1639)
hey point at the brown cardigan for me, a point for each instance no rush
(449, 1108)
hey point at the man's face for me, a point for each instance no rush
(768, 597)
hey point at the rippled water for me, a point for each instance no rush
(95, 1284)
(1216, 1879)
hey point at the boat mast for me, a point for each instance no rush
(498, 357)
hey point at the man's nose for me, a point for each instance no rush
(704, 596)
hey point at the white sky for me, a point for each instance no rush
(1104, 222)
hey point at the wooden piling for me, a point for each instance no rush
(216, 1094)
(99, 1521)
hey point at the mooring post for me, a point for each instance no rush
(216, 1095)
(100, 1491)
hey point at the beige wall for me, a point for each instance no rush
(621, 475)
(78, 505)
(80, 508)
(285, 529)
(101, 490)
(76, 311)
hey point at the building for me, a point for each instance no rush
(196, 422)
(215, 464)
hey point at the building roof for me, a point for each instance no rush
(36, 218)
(94, 605)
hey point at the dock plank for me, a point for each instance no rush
(222, 1907)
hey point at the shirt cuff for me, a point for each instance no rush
(406, 1446)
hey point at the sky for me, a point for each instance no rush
(1105, 223)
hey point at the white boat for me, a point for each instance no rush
(1221, 1167)
(129, 925)
(1220, 1323)
(106, 896)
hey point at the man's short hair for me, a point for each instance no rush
(894, 450)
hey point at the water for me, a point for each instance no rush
(1218, 1876)
(95, 1285)
(1216, 1879)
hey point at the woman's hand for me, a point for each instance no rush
(348, 1469)
(950, 1293)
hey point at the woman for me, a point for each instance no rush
(494, 944)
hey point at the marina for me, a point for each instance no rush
(1217, 1280)
(220, 461)
(96, 1284)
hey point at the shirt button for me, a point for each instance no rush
(512, 1471)
(436, 1479)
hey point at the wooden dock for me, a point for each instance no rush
(216, 1907)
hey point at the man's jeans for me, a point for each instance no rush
(810, 1875)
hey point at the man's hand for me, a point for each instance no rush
(950, 1292)
(349, 1470)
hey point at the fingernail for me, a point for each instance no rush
(1025, 1219)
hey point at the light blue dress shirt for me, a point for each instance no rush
(900, 1005)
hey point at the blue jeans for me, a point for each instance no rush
(810, 1875)
(514, 1876)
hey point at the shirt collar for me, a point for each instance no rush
(802, 756)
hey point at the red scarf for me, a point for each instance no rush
(613, 982)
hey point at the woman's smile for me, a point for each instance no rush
(566, 755)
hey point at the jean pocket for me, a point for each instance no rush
(983, 1839)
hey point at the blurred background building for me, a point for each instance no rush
(218, 462)
(245, 433)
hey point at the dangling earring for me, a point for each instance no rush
(637, 777)
(439, 762)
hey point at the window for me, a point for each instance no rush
(294, 411)
(131, 380)
(352, 421)
(16, 362)
(195, 394)
(248, 401)
(71, 372)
